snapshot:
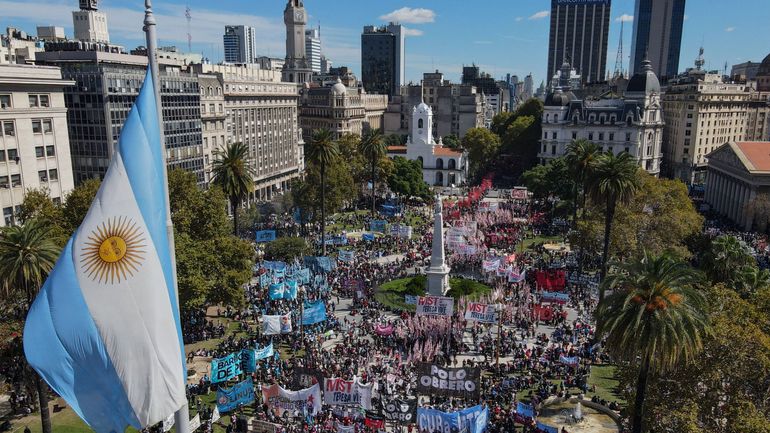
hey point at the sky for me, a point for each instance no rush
(501, 36)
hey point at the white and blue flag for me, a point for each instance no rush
(104, 332)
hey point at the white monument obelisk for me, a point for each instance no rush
(438, 271)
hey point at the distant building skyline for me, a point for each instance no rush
(240, 44)
(383, 56)
(657, 36)
(579, 35)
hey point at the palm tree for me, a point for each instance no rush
(373, 148)
(655, 317)
(614, 180)
(234, 173)
(322, 150)
(27, 255)
(726, 256)
(748, 280)
(581, 158)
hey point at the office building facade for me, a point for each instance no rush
(579, 32)
(245, 104)
(34, 142)
(240, 44)
(658, 36)
(90, 25)
(106, 86)
(383, 59)
(455, 108)
(313, 49)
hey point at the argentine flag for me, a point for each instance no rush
(104, 332)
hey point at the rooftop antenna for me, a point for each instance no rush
(189, 28)
(619, 58)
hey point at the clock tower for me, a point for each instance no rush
(297, 68)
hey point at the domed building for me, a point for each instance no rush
(339, 108)
(441, 166)
(630, 123)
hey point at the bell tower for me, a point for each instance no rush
(422, 125)
(297, 68)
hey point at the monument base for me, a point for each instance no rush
(438, 281)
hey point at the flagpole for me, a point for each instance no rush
(182, 416)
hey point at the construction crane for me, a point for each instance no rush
(189, 29)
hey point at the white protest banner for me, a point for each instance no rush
(306, 401)
(484, 313)
(347, 392)
(195, 423)
(273, 325)
(434, 306)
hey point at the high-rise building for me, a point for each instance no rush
(245, 104)
(579, 32)
(658, 35)
(106, 86)
(485, 84)
(297, 68)
(529, 88)
(326, 65)
(34, 147)
(313, 48)
(240, 44)
(383, 59)
(455, 108)
(90, 24)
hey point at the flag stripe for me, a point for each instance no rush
(59, 324)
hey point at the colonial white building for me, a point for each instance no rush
(632, 123)
(441, 166)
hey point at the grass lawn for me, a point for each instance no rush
(391, 294)
(528, 243)
(603, 376)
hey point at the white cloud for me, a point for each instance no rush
(540, 15)
(482, 42)
(625, 18)
(413, 32)
(410, 16)
(729, 29)
(519, 18)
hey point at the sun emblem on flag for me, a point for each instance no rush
(114, 251)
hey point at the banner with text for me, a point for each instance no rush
(314, 312)
(223, 369)
(449, 382)
(484, 313)
(435, 306)
(347, 392)
(273, 325)
(239, 395)
(304, 402)
(403, 412)
(265, 236)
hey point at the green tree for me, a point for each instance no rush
(451, 141)
(286, 249)
(323, 151)
(655, 317)
(406, 179)
(199, 213)
(233, 172)
(27, 255)
(613, 181)
(482, 146)
(37, 204)
(373, 149)
(78, 203)
(549, 180)
(726, 256)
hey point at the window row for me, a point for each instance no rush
(35, 101)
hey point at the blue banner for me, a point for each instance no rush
(368, 237)
(223, 369)
(276, 291)
(239, 395)
(525, 410)
(314, 312)
(290, 289)
(264, 353)
(274, 266)
(378, 226)
(304, 275)
(346, 255)
(466, 420)
(410, 300)
(265, 236)
(546, 428)
(248, 360)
